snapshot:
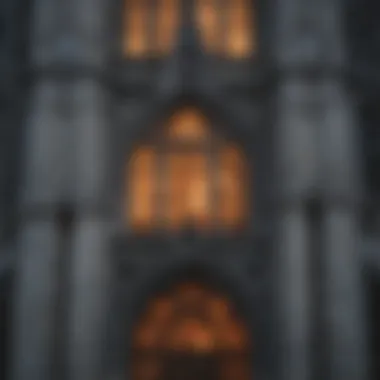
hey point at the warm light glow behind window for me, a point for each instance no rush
(226, 27)
(150, 27)
(195, 323)
(188, 176)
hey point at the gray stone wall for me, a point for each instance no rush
(65, 168)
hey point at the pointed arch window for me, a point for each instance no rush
(151, 27)
(227, 27)
(190, 332)
(187, 175)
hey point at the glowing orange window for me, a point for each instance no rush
(150, 27)
(187, 177)
(191, 332)
(227, 27)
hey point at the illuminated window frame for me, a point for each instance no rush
(226, 28)
(150, 27)
(186, 176)
(194, 322)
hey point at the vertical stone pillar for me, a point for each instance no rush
(311, 48)
(342, 264)
(35, 292)
(340, 180)
(36, 272)
(298, 97)
(90, 253)
(89, 306)
(296, 164)
(66, 105)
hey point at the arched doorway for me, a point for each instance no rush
(190, 333)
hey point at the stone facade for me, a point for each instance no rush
(74, 281)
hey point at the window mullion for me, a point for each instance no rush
(162, 192)
(222, 10)
(151, 26)
(213, 181)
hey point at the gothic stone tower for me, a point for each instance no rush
(109, 78)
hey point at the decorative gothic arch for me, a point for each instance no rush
(185, 174)
(225, 28)
(190, 330)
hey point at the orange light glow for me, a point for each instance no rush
(226, 28)
(199, 331)
(190, 332)
(167, 25)
(135, 31)
(233, 182)
(151, 28)
(147, 36)
(188, 193)
(194, 184)
(207, 16)
(189, 125)
(141, 182)
(240, 36)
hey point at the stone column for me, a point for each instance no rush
(344, 306)
(340, 181)
(90, 253)
(298, 98)
(89, 307)
(35, 292)
(311, 46)
(36, 273)
(296, 164)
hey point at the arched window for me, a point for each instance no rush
(193, 333)
(151, 27)
(227, 27)
(186, 175)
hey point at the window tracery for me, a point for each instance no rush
(186, 175)
(150, 27)
(226, 27)
(191, 330)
